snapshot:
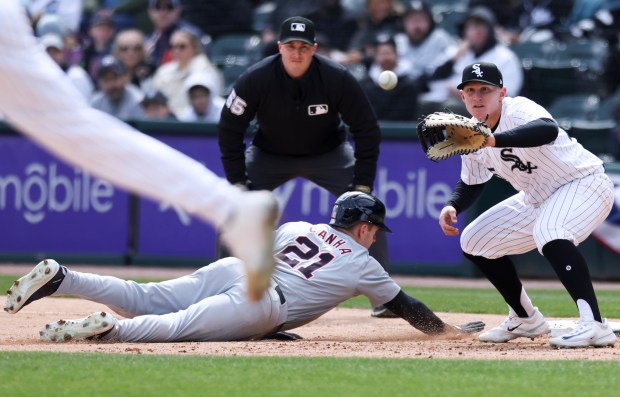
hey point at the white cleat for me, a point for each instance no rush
(43, 280)
(587, 333)
(517, 327)
(66, 330)
(249, 236)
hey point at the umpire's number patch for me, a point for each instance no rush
(236, 104)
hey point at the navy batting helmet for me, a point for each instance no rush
(353, 207)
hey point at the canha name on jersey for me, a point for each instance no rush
(332, 239)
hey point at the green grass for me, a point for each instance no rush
(56, 374)
(552, 302)
(92, 375)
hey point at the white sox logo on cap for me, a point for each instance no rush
(476, 69)
(483, 72)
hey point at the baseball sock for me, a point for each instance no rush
(572, 270)
(502, 274)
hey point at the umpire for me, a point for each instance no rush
(300, 100)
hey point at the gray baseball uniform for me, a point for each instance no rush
(563, 190)
(318, 267)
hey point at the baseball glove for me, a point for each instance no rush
(444, 134)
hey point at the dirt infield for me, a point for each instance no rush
(340, 333)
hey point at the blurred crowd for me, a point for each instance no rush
(157, 59)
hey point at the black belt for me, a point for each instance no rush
(280, 294)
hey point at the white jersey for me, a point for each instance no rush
(38, 98)
(537, 171)
(323, 267)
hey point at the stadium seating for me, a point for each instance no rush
(241, 49)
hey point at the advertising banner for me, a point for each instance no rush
(47, 206)
(413, 188)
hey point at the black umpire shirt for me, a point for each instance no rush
(298, 117)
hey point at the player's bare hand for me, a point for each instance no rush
(447, 220)
(490, 141)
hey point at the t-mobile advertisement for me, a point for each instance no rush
(48, 206)
(412, 187)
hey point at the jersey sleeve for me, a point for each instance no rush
(376, 284)
(357, 112)
(237, 113)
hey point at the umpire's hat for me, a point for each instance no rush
(297, 29)
(483, 72)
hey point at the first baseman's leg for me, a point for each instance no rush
(502, 274)
(505, 229)
(502, 230)
(567, 218)
(572, 270)
(130, 299)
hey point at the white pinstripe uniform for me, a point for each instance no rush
(37, 97)
(563, 192)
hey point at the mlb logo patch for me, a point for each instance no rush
(316, 110)
(298, 27)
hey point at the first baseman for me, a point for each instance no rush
(318, 267)
(40, 101)
(563, 194)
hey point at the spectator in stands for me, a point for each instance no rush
(283, 10)
(382, 16)
(100, 35)
(116, 96)
(549, 16)
(188, 57)
(155, 107)
(68, 11)
(478, 43)
(72, 41)
(504, 12)
(55, 47)
(204, 105)
(399, 103)
(128, 14)
(422, 44)
(333, 23)
(129, 49)
(530, 19)
(219, 17)
(166, 18)
(608, 22)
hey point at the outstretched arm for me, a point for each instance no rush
(421, 317)
(537, 132)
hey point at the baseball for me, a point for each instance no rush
(387, 80)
